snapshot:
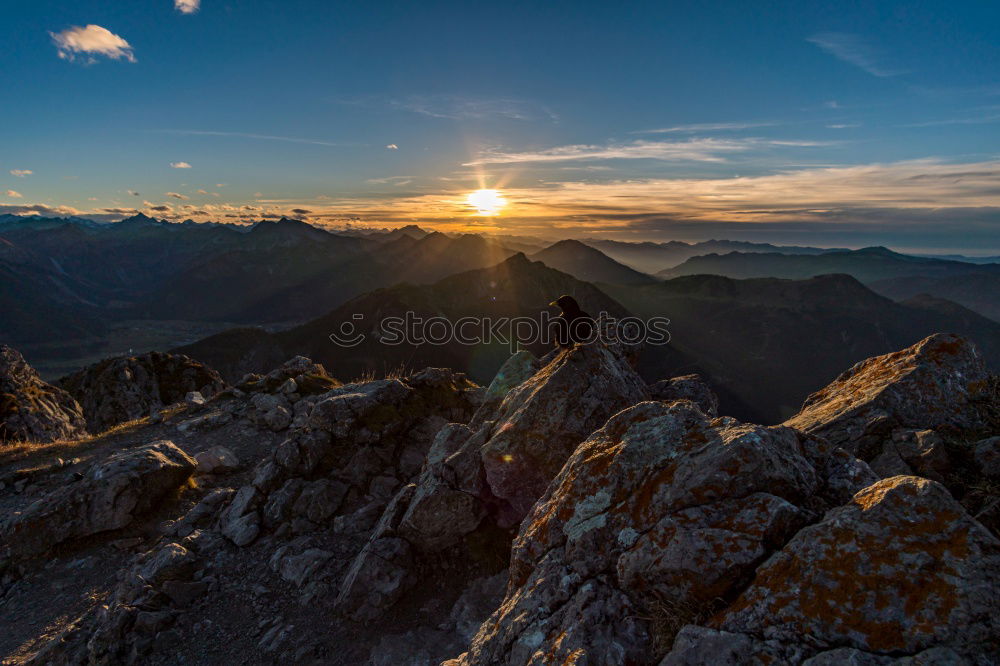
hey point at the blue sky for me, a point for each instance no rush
(846, 123)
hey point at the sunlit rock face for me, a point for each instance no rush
(938, 383)
(899, 569)
(662, 505)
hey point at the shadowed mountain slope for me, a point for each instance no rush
(588, 263)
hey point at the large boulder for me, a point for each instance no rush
(653, 518)
(900, 569)
(110, 496)
(30, 409)
(937, 383)
(686, 387)
(122, 389)
(499, 464)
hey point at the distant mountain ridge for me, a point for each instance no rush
(653, 258)
(763, 344)
(588, 263)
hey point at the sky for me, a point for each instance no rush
(838, 124)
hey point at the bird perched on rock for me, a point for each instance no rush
(573, 325)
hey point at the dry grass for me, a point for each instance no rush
(667, 616)
(63, 448)
(399, 372)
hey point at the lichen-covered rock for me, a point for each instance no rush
(30, 409)
(686, 387)
(661, 504)
(936, 383)
(110, 495)
(122, 389)
(900, 569)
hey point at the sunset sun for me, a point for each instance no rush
(486, 202)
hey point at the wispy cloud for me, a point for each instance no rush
(843, 125)
(14, 194)
(180, 165)
(706, 127)
(855, 50)
(691, 150)
(391, 180)
(392, 146)
(177, 195)
(261, 137)
(986, 119)
(461, 107)
(89, 42)
(187, 6)
(133, 193)
(21, 173)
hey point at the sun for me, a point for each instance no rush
(486, 202)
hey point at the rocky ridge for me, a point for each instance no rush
(568, 513)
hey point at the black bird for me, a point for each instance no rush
(573, 325)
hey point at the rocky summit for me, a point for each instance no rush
(568, 513)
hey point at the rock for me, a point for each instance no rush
(216, 460)
(515, 371)
(924, 451)
(987, 456)
(660, 506)
(701, 646)
(30, 409)
(376, 579)
(542, 420)
(299, 568)
(889, 463)
(686, 387)
(319, 500)
(194, 398)
(937, 383)
(240, 521)
(110, 496)
(900, 569)
(127, 388)
(503, 461)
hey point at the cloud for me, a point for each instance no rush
(180, 165)
(705, 127)
(134, 193)
(177, 195)
(692, 150)
(260, 137)
(187, 6)
(301, 211)
(389, 180)
(392, 146)
(39, 209)
(14, 195)
(974, 120)
(21, 173)
(461, 107)
(855, 50)
(90, 42)
(843, 125)
(201, 191)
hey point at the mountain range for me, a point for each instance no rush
(762, 344)
(247, 298)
